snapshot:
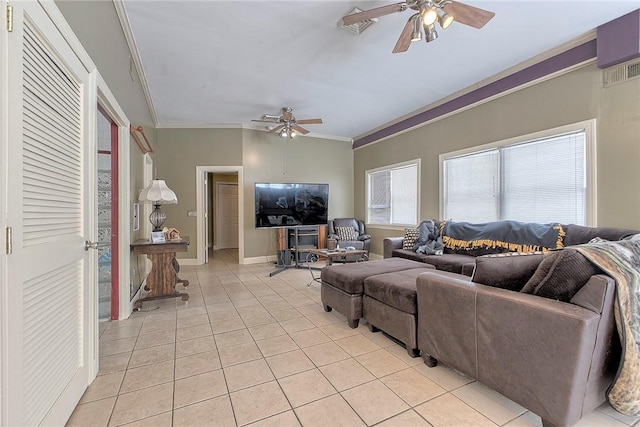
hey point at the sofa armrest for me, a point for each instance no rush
(391, 243)
(536, 351)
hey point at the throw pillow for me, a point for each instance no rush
(510, 270)
(411, 234)
(346, 233)
(560, 275)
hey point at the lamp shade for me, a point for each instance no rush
(158, 193)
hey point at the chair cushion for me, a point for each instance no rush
(350, 277)
(560, 275)
(397, 289)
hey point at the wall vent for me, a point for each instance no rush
(621, 73)
(358, 27)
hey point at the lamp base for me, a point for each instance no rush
(157, 218)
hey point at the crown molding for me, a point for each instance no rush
(201, 126)
(135, 57)
(589, 36)
(252, 127)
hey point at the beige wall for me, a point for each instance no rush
(269, 158)
(179, 152)
(566, 99)
(264, 158)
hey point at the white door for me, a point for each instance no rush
(227, 222)
(49, 336)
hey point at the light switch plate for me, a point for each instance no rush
(136, 216)
(192, 213)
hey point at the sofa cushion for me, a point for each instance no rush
(507, 271)
(350, 277)
(346, 233)
(411, 234)
(447, 262)
(560, 275)
(397, 289)
(578, 234)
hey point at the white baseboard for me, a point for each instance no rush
(188, 261)
(260, 259)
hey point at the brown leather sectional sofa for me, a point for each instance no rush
(554, 358)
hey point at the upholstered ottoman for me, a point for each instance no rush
(342, 285)
(391, 304)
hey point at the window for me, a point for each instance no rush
(392, 194)
(548, 177)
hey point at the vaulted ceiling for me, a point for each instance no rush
(224, 63)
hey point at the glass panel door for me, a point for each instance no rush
(107, 218)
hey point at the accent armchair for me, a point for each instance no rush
(349, 232)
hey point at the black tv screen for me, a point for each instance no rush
(290, 205)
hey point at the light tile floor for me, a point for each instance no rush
(249, 349)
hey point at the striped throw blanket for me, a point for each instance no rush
(621, 261)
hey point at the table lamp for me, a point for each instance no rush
(158, 193)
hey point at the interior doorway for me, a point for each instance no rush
(225, 213)
(210, 235)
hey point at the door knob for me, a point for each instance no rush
(95, 245)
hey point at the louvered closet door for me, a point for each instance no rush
(49, 337)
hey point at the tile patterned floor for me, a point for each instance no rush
(249, 349)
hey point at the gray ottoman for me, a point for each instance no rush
(343, 285)
(391, 304)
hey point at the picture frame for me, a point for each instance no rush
(157, 237)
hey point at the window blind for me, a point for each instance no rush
(536, 181)
(393, 195)
(471, 187)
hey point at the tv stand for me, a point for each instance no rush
(292, 241)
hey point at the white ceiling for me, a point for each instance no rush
(219, 63)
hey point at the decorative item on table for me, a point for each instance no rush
(331, 244)
(158, 237)
(158, 193)
(171, 234)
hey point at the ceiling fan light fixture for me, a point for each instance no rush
(428, 15)
(445, 20)
(416, 34)
(430, 33)
(283, 133)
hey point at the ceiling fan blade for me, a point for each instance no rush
(286, 114)
(373, 13)
(404, 41)
(300, 130)
(264, 121)
(276, 129)
(468, 15)
(309, 122)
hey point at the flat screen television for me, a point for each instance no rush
(290, 205)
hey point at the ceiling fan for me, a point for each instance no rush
(287, 125)
(427, 13)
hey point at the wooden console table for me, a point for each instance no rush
(163, 277)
